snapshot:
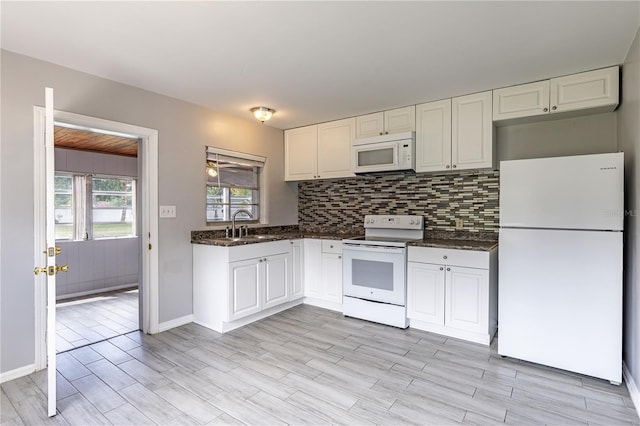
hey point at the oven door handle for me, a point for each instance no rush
(371, 248)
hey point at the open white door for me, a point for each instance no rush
(50, 251)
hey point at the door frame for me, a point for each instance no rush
(149, 213)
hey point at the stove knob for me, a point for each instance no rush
(412, 222)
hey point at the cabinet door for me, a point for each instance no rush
(525, 100)
(297, 270)
(244, 292)
(332, 277)
(591, 89)
(276, 275)
(301, 153)
(472, 131)
(425, 292)
(370, 125)
(467, 299)
(312, 268)
(334, 148)
(433, 136)
(400, 120)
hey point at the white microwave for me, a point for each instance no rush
(384, 153)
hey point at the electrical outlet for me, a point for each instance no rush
(459, 223)
(167, 211)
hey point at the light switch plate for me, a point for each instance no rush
(167, 211)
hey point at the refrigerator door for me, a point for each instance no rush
(560, 299)
(580, 192)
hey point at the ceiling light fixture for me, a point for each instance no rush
(262, 113)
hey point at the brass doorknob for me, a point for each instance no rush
(51, 270)
(38, 270)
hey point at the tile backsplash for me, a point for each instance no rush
(471, 196)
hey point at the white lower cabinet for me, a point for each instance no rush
(234, 286)
(244, 292)
(323, 273)
(453, 292)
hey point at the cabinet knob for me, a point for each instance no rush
(545, 109)
(381, 133)
(554, 107)
(444, 257)
(331, 246)
(448, 269)
(454, 166)
(442, 268)
(386, 133)
(339, 257)
(448, 166)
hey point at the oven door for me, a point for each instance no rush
(375, 273)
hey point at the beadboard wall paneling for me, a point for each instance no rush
(442, 198)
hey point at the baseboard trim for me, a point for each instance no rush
(167, 325)
(634, 392)
(321, 303)
(18, 372)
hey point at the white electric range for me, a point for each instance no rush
(374, 270)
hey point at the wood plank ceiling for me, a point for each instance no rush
(86, 140)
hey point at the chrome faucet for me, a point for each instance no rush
(233, 221)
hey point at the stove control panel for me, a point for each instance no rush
(393, 221)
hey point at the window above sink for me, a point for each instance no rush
(233, 183)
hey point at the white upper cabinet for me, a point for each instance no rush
(472, 136)
(334, 148)
(433, 136)
(301, 153)
(370, 125)
(455, 134)
(525, 100)
(593, 91)
(381, 123)
(320, 151)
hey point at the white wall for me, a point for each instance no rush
(629, 141)
(184, 130)
(591, 134)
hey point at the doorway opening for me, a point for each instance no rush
(147, 219)
(97, 224)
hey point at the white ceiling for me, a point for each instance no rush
(319, 61)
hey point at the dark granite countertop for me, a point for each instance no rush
(458, 244)
(276, 233)
(447, 240)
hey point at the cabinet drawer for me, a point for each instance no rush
(468, 258)
(332, 246)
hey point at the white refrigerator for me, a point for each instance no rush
(560, 263)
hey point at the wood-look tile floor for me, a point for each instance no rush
(95, 318)
(308, 366)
